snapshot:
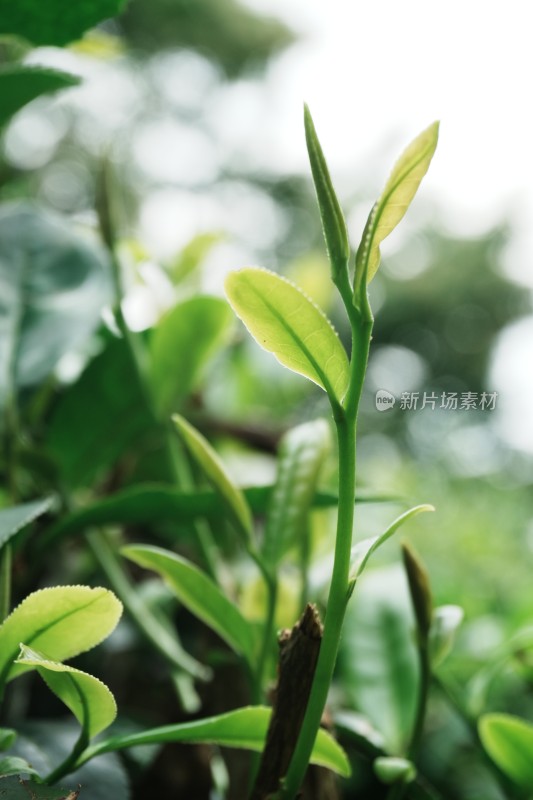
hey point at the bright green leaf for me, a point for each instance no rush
(89, 699)
(180, 346)
(216, 473)
(333, 223)
(301, 455)
(12, 520)
(20, 84)
(54, 22)
(444, 624)
(193, 254)
(395, 200)
(62, 621)
(13, 765)
(285, 322)
(377, 659)
(391, 769)
(244, 728)
(199, 594)
(53, 285)
(362, 551)
(509, 742)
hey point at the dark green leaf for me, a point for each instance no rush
(200, 595)
(12, 520)
(15, 788)
(180, 346)
(20, 84)
(419, 589)
(243, 728)
(333, 224)
(55, 22)
(7, 737)
(509, 742)
(53, 285)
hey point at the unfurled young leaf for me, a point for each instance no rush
(199, 594)
(89, 699)
(13, 520)
(285, 322)
(419, 590)
(215, 472)
(301, 455)
(509, 742)
(394, 201)
(243, 728)
(20, 84)
(333, 224)
(62, 621)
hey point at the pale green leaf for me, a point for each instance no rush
(216, 473)
(61, 621)
(13, 520)
(509, 742)
(391, 769)
(395, 199)
(444, 624)
(244, 728)
(362, 551)
(89, 699)
(302, 453)
(13, 765)
(283, 320)
(199, 594)
(180, 346)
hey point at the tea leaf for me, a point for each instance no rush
(301, 455)
(216, 473)
(14, 788)
(285, 322)
(89, 699)
(181, 344)
(13, 765)
(62, 621)
(395, 199)
(20, 84)
(13, 520)
(333, 224)
(243, 728)
(420, 590)
(199, 594)
(509, 742)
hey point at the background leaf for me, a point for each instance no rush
(55, 22)
(509, 742)
(243, 728)
(53, 285)
(446, 620)
(180, 346)
(199, 594)
(396, 197)
(15, 788)
(12, 520)
(20, 84)
(62, 621)
(286, 323)
(89, 699)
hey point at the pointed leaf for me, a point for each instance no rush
(199, 594)
(395, 200)
(301, 455)
(62, 621)
(216, 473)
(285, 322)
(333, 224)
(446, 620)
(12, 520)
(13, 765)
(420, 589)
(244, 728)
(362, 551)
(181, 344)
(509, 742)
(20, 84)
(89, 699)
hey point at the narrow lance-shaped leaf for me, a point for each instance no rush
(301, 455)
(13, 520)
(20, 84)
(63, 621)
(199, 594)
(89, 699)
(333, 222)
(243, 728)
(285, 322)
(420, 591)
(216, 473)
(394, 201)
(509, 742)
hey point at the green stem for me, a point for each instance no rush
(424, 682)
(5, 581)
